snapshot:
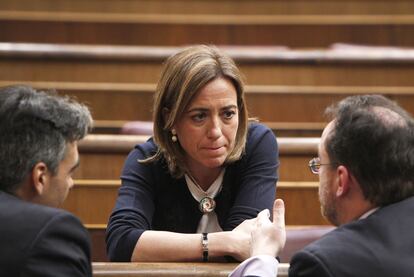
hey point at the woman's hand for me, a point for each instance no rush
(242, 238)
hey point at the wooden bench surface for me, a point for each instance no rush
(281, 129)
(103, 156)
(269, 103)
(181, 29)
(292, 7)
(125, 143)
(93, 200)
(339, 66)
(278, 53)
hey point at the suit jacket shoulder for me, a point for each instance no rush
(379, 245)
(41, 241)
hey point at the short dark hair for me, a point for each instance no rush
(35, 127)
(374, 138)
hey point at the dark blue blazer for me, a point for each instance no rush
(151, 199)
(36, 240)
(379, 245)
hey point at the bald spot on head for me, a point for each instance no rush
(388, 117)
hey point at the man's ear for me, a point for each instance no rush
(344, 181)
(40, 177)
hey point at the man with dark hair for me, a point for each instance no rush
(366, 173)
(38, 149)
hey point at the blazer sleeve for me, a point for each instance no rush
(306, 264)
(62, 248)
(134, 207)
(257, 176)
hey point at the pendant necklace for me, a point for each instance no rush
(206, 204)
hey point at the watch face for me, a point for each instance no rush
(207, 205)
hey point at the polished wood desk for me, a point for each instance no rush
(170, 269)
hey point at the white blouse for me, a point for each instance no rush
(208, 222)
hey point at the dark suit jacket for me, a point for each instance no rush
(379, 245)
(37, 240)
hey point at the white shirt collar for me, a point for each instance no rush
(198, 193)
(368, 213)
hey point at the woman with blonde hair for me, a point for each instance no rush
(187, 192)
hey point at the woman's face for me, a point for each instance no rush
(207, 129)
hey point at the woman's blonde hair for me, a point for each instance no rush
(184, 74)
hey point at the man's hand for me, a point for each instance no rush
(269, 238)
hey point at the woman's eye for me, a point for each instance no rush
(198, 117)
(229, 114)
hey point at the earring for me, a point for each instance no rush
(174, 135)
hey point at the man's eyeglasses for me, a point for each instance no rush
(315, 165)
